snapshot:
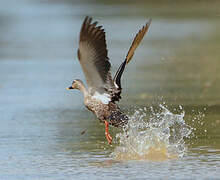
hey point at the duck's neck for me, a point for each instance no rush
(83, 89)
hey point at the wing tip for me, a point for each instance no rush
(147, 25)
(90, 27)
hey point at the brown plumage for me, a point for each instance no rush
(102, 90)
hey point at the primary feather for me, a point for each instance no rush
(93, 56)
(139, 36)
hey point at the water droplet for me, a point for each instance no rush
(161, 136)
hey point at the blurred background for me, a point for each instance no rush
(178, 59)
(177, 63)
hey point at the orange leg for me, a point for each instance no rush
(107, 135)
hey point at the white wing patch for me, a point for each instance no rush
(116, 85)
(104, 98)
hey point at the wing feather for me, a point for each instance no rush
(137, 41)
(117, 78)
(93, 56)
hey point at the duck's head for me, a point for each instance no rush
(77, 84)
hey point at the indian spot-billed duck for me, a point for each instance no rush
(102, 93)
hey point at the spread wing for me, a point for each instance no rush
(139, 36)
(93, 56)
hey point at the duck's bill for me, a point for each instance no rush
(69, 88)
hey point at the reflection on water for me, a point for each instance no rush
(177, 63)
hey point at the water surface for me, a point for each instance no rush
(47, 133)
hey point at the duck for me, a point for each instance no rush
(103, 90)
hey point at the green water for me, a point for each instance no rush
(41, 123)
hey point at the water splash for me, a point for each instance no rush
(159, 138)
